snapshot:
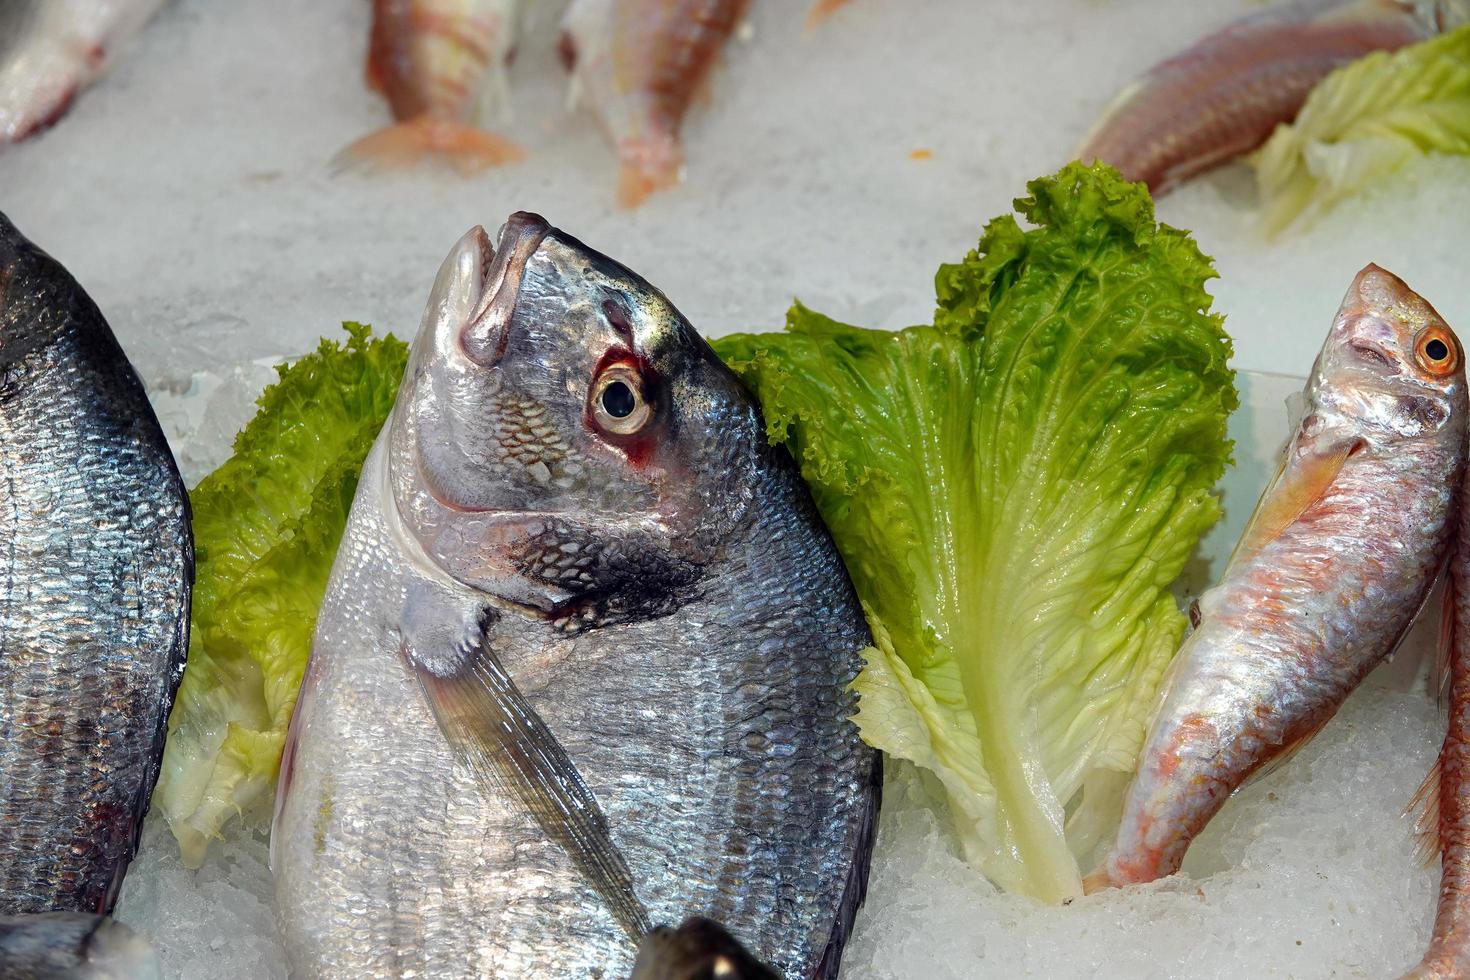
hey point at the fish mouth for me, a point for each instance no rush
(487, 331)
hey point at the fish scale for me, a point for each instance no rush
(683, 681)
(94, 599)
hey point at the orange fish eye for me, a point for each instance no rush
(1436, 350)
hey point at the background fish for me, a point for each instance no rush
(73, 946)
(431, 59)
(639, 63)
(1329, 573)
(51, 49)
(94, 596)
(1222, 97)
(697, 950)
(820, 10)
(1444, 799)
(584, 658)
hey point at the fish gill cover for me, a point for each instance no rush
(1014, 489)
(266, 525)
(1364, 122)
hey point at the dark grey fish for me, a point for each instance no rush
(697, 950)
(73, 946)
(96, 564)
(583, 662)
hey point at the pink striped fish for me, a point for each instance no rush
(640, 63)
(1224, 95)
(1343, 547)
(431, 60)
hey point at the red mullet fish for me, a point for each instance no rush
(430, 59)
(1337, 559)
(1223, 96)
(640, 63)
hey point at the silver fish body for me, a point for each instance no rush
(1336, 562)
(52, 49)
(584, 658)
(73, 946)
(94, 596)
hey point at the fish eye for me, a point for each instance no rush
(1435, 350)
(618, 405)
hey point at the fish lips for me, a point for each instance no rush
(485, 334)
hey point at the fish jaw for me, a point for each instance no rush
(1313, 598)
(1221, 97)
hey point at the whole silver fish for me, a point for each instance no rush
(584, 658)
(73, 946)
(52, 49)
(1330, 572)
(698, 950)
(97, 560)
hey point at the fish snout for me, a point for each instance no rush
(486, 331)
(1387, 328)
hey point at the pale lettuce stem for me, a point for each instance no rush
(1002, 704)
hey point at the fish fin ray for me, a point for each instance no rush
(509, 747)
(1424, 808)
(1287, 753)
(468, 148)
(1298, 484)
(1444, 647)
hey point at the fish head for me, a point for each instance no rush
(562, 426)
(1391, 362)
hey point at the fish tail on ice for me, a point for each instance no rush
(647, 164)
(468, 149)
(821, 10)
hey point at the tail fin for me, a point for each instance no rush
(467, 148)
(649, 164)
(821, 10)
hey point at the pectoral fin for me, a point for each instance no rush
(1299, 483)
(512, 751)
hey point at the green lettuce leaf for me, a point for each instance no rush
(1014, 489)
(1364, 122)
(266, 528)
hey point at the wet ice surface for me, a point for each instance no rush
(190, 193)
(1308, 872)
